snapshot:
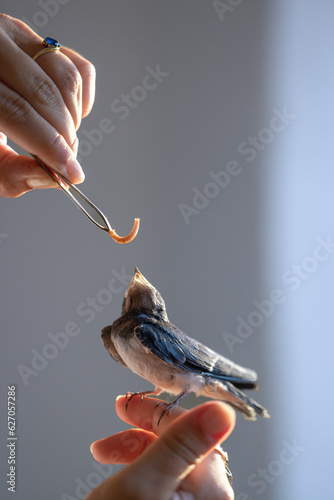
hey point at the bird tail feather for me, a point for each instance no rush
(236, 398)
(248, 406)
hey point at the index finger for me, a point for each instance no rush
(145, 413)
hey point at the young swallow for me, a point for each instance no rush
(144, 340)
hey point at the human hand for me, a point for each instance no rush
(41, 106)
(176, 460)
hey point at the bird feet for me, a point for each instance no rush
(130, 395)
(170, 406)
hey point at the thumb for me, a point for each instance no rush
(19, 174)
(185, 443)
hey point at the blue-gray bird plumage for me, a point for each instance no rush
(144, 340)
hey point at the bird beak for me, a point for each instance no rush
(139, 279)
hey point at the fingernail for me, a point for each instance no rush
(74, 171)
(212, 422)
(40, 183)
(91, 447)
(119, 397)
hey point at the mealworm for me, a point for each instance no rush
(125, 239)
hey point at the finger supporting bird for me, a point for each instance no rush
(145, 414)
(186, 443)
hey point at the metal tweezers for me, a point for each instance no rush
(75, 195)
(78, 198)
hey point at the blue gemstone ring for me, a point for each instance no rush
(50, 45)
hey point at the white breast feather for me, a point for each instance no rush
(141, 361)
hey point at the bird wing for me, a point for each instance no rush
(109, 345)
(173, 346)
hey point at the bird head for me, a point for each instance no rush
(142, 297)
